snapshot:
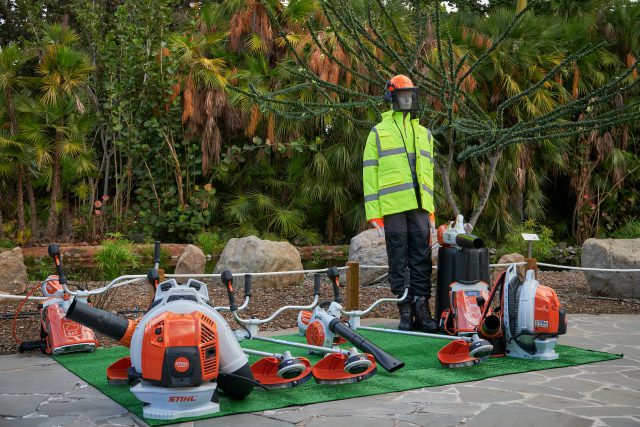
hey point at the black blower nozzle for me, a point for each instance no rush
(99, 320)
(469, 241)
(386, 360)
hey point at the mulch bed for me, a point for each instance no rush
(571, 287)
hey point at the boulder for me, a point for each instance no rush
(367, 248)
(13, 273)
(612, 253)
(191, 261)
(510, 259)
(253, 255)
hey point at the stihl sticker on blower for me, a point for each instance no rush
(541, 323)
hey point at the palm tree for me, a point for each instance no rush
(64, 74)
(12, 79)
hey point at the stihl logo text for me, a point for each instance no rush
(181, 364)
(182, 398)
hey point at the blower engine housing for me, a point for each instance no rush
(533, 317)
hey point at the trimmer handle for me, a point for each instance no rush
(247, 285)
(227, 280)
(54, 252)
(316, 284)
(156, 254)
(334, 277)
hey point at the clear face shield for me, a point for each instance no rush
(405, 99)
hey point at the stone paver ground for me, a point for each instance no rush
(36, 391)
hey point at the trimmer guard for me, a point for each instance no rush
(456, 355)
(265, 371)
(330, 370)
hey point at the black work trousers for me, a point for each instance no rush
(406, 235)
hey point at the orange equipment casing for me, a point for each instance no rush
(546, 318)
(64, 335)
(464, 315)
(170, 330)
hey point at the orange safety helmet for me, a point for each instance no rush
(396, 85)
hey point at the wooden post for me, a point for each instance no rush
(353, 286)
(161, 274)
(532, 264)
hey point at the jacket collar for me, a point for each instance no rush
(396, 116)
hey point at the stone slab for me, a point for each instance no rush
(242, 420)
(20, 361)
(37, 422)
(93, 407)
(38, 379)
(523, 416)
(20, 405)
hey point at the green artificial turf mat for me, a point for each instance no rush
(422, 369)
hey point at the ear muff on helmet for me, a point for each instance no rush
(387, 92)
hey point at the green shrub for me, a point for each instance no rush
(116, 256)
(631, 230)
(210, 243)
(514, 242)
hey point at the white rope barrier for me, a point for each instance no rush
(563, 267)
(21, 297)
(611, 270)
(283, 273)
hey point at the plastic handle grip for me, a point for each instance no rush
(156, 252)
(316, 284)
(247, 285)
(334, 276)
(227, 280)
(54, 252)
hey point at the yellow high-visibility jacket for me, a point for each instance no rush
(392, 146)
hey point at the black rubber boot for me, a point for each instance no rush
(423, 320)
(406, 318)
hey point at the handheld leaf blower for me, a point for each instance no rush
(182, 351)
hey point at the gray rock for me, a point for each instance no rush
(253, 255)
(367, 248)
(13, 273)
(191, 261)
(612, 253)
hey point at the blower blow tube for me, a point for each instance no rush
(106, 323)
(386, 360)
(469, 241)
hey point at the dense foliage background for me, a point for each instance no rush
(125, 116)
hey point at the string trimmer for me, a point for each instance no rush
(339, 366)
(462, 351)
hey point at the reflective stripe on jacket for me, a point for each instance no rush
(392, 146)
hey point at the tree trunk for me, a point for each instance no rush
(1, 221)
(52, 223)
(19, 190)
(33, 217)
